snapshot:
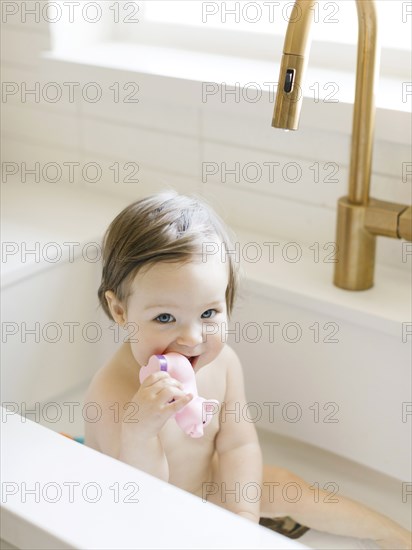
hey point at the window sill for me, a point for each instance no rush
(189, 70)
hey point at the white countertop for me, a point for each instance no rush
(308, 284)
(121, 507)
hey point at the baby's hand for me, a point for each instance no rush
(159, 397)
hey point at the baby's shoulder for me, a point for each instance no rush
(115, 377)
(231, 368)
(229, 359)
(225, 367)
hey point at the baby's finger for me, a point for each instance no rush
(163, 384)
(168, 394)
(155, 377)
(179, 403)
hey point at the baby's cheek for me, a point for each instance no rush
(223, 335)
(224, 328)
(211, 332)
(148, 343)
(137, 353)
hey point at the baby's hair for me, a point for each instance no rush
(165, 227)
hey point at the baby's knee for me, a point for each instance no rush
(276, 474)
(282, 490)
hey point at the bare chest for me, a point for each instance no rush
(190, 458)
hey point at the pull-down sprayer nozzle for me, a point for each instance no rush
(294, 60)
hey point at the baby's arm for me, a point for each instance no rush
(131, 435)
(237, 445)
(140, 445)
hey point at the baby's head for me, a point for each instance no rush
(165, 227)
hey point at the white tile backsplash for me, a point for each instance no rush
(164, 139)
(388, 158)
(158, 150)
(30, 161)
(38, 88)
(256, 133)
(46, 125)
(118, 175)
(274, 216)
(300, 180)
(23, 46)
(125, 100)
(391, 189)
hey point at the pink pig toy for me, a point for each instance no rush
(192, 418)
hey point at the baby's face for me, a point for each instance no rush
(179, 308)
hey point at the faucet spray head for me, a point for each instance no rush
(289, 94)
(295, 55)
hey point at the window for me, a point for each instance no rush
(335, 21)
(251, 29)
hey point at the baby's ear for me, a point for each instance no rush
(116, 308)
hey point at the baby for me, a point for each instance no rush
(161, 285)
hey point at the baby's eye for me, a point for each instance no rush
(208, 312)
(163, 318)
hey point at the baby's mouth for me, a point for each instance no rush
(193, 360)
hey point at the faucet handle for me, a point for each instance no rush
(405, 224)
(382, 218)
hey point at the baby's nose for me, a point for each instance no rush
(190, 336)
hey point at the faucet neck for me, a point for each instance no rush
(364, 106)
(297, 39)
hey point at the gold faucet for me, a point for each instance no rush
(360, 218)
